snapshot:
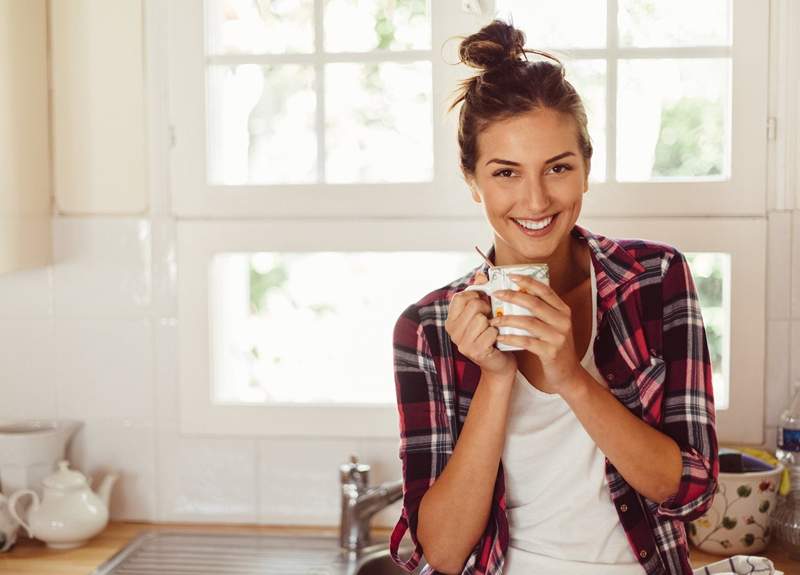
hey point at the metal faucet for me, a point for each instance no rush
(360, 503)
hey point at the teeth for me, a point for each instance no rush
(534, 225)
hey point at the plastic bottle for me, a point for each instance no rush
(788, 451)
(785, 519)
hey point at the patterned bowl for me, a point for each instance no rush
(738, 520)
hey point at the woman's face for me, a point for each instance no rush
(529, 168)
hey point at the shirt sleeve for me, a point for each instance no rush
(425, 438)
(688, 403)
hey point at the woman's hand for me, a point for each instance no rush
(550, 331)
(468, 326)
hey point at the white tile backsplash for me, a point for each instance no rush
(127, 447)
(27, 369)
(27, 294)
(770, 438)
(105, 368)
(102, 267)
(206, 478)
(165, 268)
(795, 281)
(299, 479)
(794, 355)
(777, 392)
(165, 332)
(383, 456)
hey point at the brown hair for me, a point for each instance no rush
(510, 84)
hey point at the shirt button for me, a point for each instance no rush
(610, 376)
(623, 508)
(642, 553)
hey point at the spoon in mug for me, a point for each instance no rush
(487, 260)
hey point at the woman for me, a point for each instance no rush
(587, 450)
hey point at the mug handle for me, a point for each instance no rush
(12, 507)
(480, 287)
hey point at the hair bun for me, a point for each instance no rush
(493, 45)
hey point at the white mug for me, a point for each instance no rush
(499, 280)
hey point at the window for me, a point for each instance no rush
(287, 105)
(674, 109)
(270, 310)
(290, 146)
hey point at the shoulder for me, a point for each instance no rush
(654, 256)
(429, 313)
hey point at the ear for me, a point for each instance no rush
(476, 196)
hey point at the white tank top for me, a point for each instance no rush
(560, 514)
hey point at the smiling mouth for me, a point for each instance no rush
(537, 232)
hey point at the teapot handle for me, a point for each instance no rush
(12, 507)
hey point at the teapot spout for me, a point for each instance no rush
(104, 490)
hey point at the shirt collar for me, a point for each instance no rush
(614, 266)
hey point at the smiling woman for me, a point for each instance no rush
(507, 456)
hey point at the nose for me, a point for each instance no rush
(537, 198)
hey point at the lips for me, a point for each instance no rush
(538, 233)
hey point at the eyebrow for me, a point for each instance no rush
(510, 163)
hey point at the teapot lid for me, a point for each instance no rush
(64, 478)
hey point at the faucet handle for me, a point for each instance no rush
(354, 473)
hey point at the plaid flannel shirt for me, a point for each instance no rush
(651, 348)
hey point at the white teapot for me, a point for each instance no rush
(8, 526)
(70, 513)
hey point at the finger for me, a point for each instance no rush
(460, 302)
(486, 342)
(480, 278)
(474, 306)
(476, 327)
(541, 289)
(535, 304)
(540, 348)
(534, 326)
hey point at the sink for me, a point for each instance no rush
(380, 563)
(200, 553)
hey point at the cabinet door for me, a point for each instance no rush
(98, 106)
(24, 147)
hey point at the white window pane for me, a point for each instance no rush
(647, 23)
(555, 23)
(260, 26)
(712, 277)
(589, 79)
(261, 124)
(365, 25)
(315, 327)
(673, 119)
(379, 122)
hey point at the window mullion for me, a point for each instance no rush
(611, 91)
(319, 86)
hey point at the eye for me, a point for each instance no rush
(497, 173)
(565, 168)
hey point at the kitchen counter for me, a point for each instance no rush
(31, 556)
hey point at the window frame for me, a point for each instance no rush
(744, 194)
(439, 215)
(199, 242)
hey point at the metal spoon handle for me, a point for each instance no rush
(487, 260)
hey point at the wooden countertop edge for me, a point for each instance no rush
(32, 556)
